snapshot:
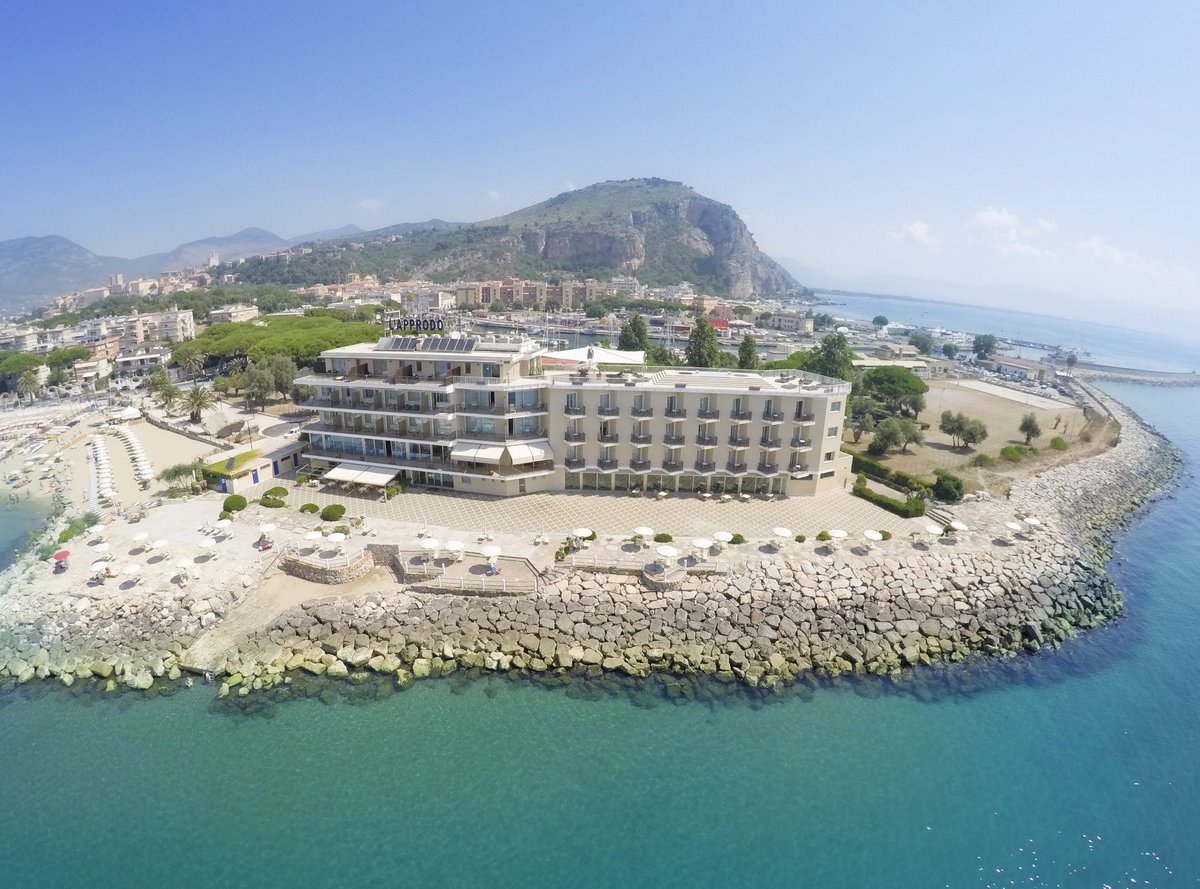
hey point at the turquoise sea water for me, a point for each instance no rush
(1074, 768)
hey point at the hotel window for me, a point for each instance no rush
(835, 406)
(829, 456)
(832, 431)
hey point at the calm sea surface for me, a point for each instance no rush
(1074, 768)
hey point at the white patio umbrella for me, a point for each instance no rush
(337, 537)
(224, 523)
(703, 543)
(667, 551)
(313, 535)
(641, 531)
(1032, 522)
(872, 535)
(183, 564)
(207, 543)
(131, 569)
(159, 543)
(101, 547)
(491, 552)
(98, 565)
(782, 533)
(582, 532)
(1014, 526)
(935, 530)
(430, 543)
(959, 526)
(838, 534)
(722, 536)
(268, 527)
(140, 536)
(455, 546)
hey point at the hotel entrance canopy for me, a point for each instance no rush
(352, 473)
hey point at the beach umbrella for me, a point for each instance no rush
(782, 533)
(838, 534)
(207, 543)
(159, 543)
(1014, 526)
(140, 536)
(430, 543)
(131, 569)
(1032, 522)
(491, 552)
(337, 537)
(935, 530)
(455, 546)
(313, 535)
(101, 547)
(702, 543)
(640, 530)
(959, 526)
(224, 523)
(667, 551)
(872, 535)
(582, 532)
(183, 564)
(62, 554)
(268, 527)
(722, 536)
(98, 565)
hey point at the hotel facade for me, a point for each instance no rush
(482, 415)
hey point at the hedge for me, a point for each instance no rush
(234, 503)
(271, 502)
(909, 509)
(876, 470)
(1058, 443)
(310, 507)
(332, 512)
(1008, 452)
(276, 492)
(662, 537)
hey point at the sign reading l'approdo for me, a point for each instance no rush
(414, 323)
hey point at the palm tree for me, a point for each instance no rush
(168, 395)
(192, 362)
(28, 384)
(196, 401)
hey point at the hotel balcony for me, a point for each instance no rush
(672, 466)
(772, 416)
(642, 411)
(607, 465)
(708, 413)
(705, 466)
(801, 444)
(768, 468)
(574, 463)
(741, 416)
(530, 435)
(574, 435)
(609, 411)
(639, 465)
(770, 444)
(497, 410)
(574, 410)
(802, 417)
(641, 438)
(673, 439)
(739, 441)
(706, 441)
(608, 437)
(733, 466)
(677, 413)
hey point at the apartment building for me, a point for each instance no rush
(237, 312)
(482, 415)
(792, 322)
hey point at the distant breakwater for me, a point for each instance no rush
(822, 613)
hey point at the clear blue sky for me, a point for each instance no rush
(1023, 145)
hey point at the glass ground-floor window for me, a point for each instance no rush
(572, 481)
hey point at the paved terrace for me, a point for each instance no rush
(514, 523)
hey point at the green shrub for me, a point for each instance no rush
(234, 502)
(225, 514)
(391, 491)
(46, 550)
(310, 508)
(1011, 454)
(893, 477)
(663, 537)
(909, 508)
(1058, 443)
(271, 502)
(1085, 436)
(302, 479)
(982, 460)
(77, 526)
(800, 538)
(887, 535)
(560, 554)
(332, 512)
(947, 486)
(823, 536)
(860, 483)
(738, 538)
(277, 492)
(342, 529)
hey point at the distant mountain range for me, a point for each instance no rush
(661, 231)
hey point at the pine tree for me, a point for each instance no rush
(748, 353)
(702, 349)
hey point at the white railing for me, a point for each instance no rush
(293, 551)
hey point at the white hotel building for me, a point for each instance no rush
(482, 415)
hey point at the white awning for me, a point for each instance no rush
(530, 452)
(376, 476)
(478, 453)
(344, 472)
